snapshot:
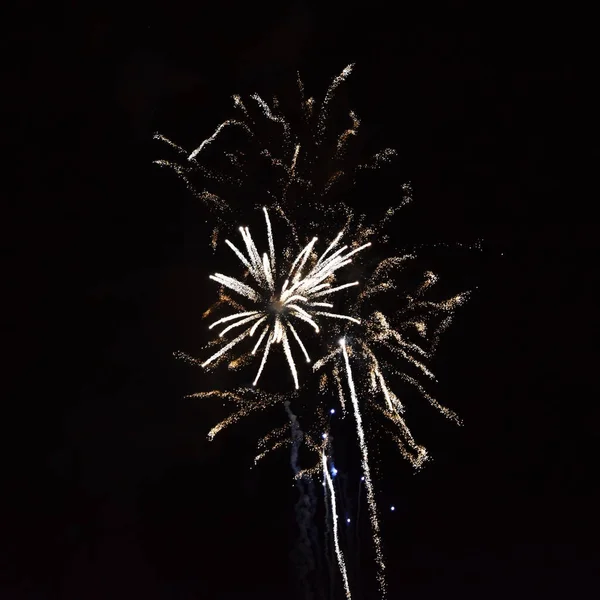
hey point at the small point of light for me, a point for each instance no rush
(324, 436)
(334, 471)
(342, 341)
(332, 411)
(362, 478)
(347, 520)
(392, 508)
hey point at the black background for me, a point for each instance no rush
(110, 487)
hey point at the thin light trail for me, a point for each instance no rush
(367, 475)
(338, 550)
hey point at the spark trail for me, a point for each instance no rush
(367, 473)
(336, 541)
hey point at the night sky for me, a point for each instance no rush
(111, 489)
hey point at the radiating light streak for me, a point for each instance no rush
(224, 349)
(231, 317)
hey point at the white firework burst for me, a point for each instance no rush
(282, 296)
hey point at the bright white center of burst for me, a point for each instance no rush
(277, 306)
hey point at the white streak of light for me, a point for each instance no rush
(304, 250)
(234, 284)
(278, 331)
(335, 289)
(384, 389)
(336, 316)
(299, 341)
(260, 339)
(267, 270)
(305, 258)
(367, 473)
(330, 247)
(358, 249)
(240, 255)
(252, 251)
(302, 314)
(296, 297)
(255, 326)
(207, 141)
(333, 257)
(246, 320)
(288, 355)
(270, 237)
(224, 349)
(334, 515)
(264, 358)
(231, 317)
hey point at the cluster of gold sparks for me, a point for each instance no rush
(281, 296)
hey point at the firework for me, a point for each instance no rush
(282, 294)
(282, 297)
(386, 348)
(300, 160)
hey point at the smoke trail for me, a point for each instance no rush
(305, 511)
